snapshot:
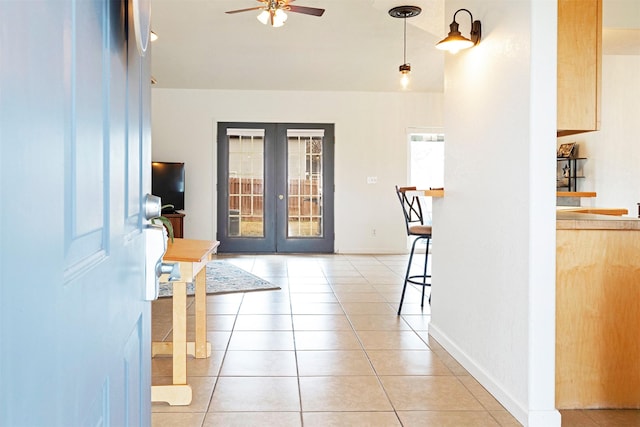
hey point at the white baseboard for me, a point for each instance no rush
(549, 418)
(370, 251)
(544, 418)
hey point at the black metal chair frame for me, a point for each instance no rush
(413, 215)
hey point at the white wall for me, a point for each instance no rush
(613, 166)
(493, 299)
(493, 304)
(370, 132)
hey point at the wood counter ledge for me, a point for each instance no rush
(593, 210)
(576, 194)
(586, 221)
(434, 193)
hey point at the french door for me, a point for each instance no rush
(275, 187)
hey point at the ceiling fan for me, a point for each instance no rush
(274, 11)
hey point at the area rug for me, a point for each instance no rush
(224, 277)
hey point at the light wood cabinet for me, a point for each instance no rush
(579, 65)
(597, 311)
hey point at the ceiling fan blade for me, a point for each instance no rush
(244, 10)
(306, 10)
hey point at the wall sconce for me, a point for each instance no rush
(455, 41)
(405, 12)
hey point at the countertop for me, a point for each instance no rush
(594, 210)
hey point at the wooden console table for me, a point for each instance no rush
(192, 256)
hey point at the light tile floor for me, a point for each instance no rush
(329, 350)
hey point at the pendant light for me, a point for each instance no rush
(405, 12)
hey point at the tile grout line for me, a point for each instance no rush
(224, 357)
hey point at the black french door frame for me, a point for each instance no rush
(275, 191)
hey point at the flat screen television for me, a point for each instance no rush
(167, 182)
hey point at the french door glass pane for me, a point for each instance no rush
(304, 181)
(246, 178)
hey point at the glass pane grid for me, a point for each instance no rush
(304, 187)
(246, 190)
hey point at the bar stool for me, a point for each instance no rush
(414, 222)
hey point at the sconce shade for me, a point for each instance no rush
(455, 41)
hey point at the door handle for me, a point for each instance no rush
(152, 206)
(280, 196)
(155, 246)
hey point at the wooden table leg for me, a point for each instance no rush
(179, 333)
(172, 394)
(179, 392)
(203, 348)
(199, 348)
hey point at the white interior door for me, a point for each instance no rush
(74, 164)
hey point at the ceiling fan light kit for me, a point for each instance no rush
(264, 17)
(274, 12)
(277, 18)
(405, 12)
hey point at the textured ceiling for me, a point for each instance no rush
(354, 46)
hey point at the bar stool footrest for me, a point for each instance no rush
(412, 279)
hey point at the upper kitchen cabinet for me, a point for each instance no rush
(579, 65)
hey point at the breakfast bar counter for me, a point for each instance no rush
(597, 311)
(576, 220)
(594, 210)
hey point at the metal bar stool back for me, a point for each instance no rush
(414, 221)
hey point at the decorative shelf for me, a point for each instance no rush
(567, 176)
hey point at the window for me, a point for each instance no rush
(426, 164)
